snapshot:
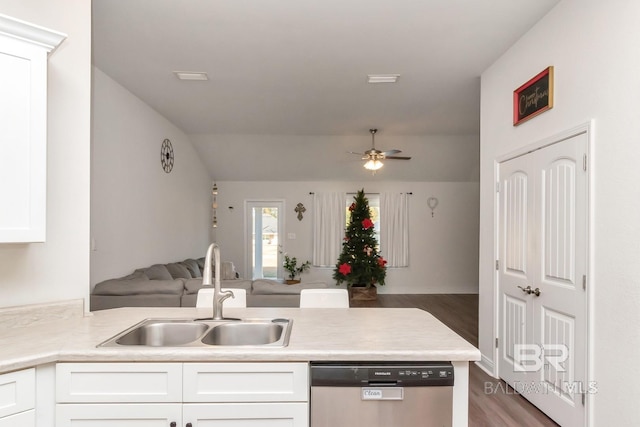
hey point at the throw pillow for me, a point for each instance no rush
(227, 271)
(158, 272)
(178, 271)
(200, 262)
(193, 267)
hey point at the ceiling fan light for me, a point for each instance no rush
(382, 78)
(191, 75)
(373, 165)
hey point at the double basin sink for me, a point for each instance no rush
(204, 333)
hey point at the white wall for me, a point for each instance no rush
(443, 249)
(141, 215)
(593, 46)
(59, 268)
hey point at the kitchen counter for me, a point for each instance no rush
(366, 334)
(41, 335)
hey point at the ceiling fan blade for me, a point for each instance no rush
(391, 152)
(359, 154)
(398, 157)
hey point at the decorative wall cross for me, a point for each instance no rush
(300, 209)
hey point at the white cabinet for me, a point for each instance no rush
(118, 382)
(246, 382)
(159, 394)
(23, 128)
(122, 415)
(252, 394)
(18, 399)
(246, 414)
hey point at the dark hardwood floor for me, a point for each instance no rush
(491, 402)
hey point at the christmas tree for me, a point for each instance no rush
(360, 263)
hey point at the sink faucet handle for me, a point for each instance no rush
(226, 294)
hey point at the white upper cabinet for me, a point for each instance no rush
(24, 49)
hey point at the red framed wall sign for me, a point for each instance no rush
(533, 97)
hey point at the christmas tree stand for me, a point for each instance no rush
(363, 293)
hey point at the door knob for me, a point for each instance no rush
(527, 290)
(536, 292)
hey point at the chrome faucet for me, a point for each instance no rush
(218, 295)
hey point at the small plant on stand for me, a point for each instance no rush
(291, 265)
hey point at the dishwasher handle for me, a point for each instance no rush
(378, 383)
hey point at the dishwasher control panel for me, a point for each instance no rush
(401, 374)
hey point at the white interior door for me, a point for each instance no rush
(543, 252)
(516, 272)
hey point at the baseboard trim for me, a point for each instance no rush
(487, 366)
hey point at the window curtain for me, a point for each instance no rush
(328, 228)
(394, 228)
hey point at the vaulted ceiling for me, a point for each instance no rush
(299, 68)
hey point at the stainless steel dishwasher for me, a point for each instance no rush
(389, 394)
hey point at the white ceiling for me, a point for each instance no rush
(296, 67)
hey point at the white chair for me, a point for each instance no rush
(324, 298)
(205, 298)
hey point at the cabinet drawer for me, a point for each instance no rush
(118, 382)
(247, 414)
(126, 415)
(246, 382)
(17, 392)
(23, 419)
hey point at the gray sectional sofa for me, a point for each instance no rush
(177, 285)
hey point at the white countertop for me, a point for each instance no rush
(364, 334)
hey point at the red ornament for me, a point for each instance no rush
(367, 223)
(344, 269)
(382, 262)
(352, 207)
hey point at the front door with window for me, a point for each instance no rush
(264, 228)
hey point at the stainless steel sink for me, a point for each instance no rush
(163, 334)
(245, 333)
(204, 333)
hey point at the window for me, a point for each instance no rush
(390, 216)
(264, 228)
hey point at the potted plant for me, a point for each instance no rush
(291, 265)
(360, 265)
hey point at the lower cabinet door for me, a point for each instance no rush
(23, 419)
(247, 414)
(118, 415)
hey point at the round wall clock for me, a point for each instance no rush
(166, 156)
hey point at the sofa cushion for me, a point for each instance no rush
(158, 272)
(192, 286)
(178, 270)
(139, 286)
(193, 267)
(270, 287)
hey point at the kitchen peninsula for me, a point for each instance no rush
(44, 337)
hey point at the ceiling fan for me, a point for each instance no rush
(374, 157)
